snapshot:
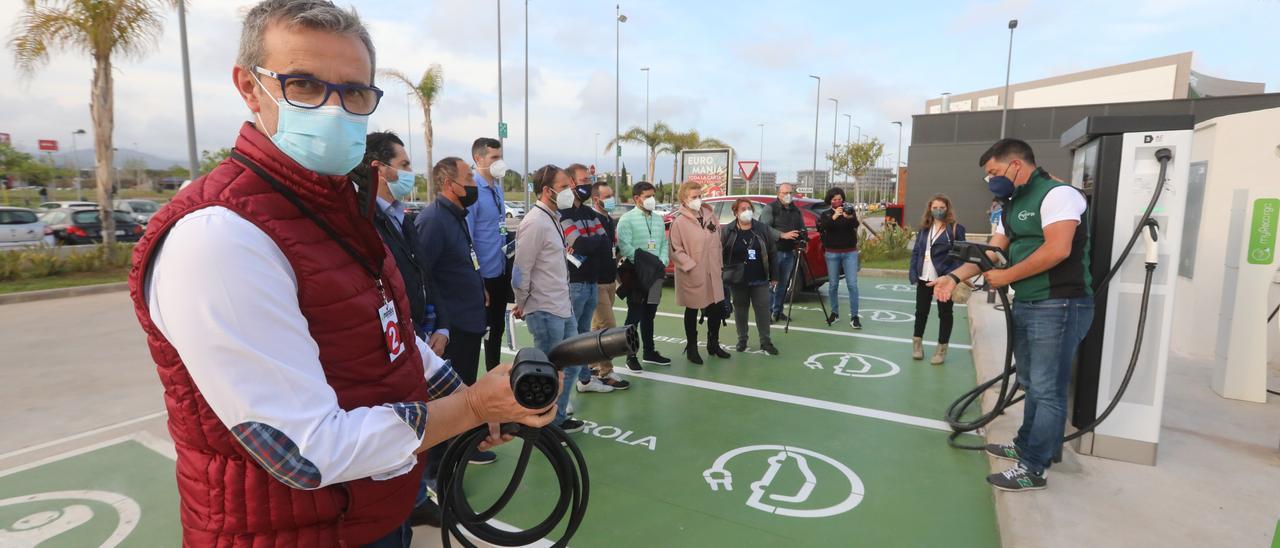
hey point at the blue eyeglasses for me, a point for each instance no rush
(310, 92)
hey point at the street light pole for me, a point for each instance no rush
(617, 98)
(75, 164)
(760, 164)
(193, 165)
(859, 132)
(597, 164)
(847, 133)
(817, 110)
(524, 176)
(897, 172)
(648, 175)
(501, 139)
(835, 124)
(1008, 68)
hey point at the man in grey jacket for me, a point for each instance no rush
(540, 277)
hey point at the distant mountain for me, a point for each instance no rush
(84, 158)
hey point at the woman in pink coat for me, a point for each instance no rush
(698, 261)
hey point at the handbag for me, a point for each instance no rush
(733, 273)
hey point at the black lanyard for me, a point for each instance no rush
(554, 224)
(364, 262)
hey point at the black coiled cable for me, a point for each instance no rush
(565, 458)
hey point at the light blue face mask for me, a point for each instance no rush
(403, 185)
(609, 204)
(327, 140)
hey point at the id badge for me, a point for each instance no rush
(573, 259)
(475, 260)
(751, 254)
(391, 331)
(502, 228)
(653, 244)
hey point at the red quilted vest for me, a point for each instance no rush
(227, 499)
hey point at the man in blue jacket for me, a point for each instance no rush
(448, 256)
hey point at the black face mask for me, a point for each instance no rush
(583, 192)
(469, 196)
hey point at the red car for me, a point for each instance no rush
(810, 208)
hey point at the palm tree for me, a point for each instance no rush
(427, 90)
(651, 139)
(103, 29)
(675, 143)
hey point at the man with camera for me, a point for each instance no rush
(299, 399)
(1047, 239)
(783, 216)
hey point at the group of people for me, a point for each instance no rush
(317, 345)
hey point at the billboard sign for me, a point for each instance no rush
(4, 139)
(710, 167)
(48, 145)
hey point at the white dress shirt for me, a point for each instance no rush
(224, 295)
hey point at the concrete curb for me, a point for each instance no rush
(62, 292)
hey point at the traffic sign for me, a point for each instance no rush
(748, 169)
(48, 145)
(502, 130)
(619, 150)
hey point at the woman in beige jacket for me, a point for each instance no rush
(698, 261)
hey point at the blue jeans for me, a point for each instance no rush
(584, 297)
(786, 267)
(548, 330)
(1046, 335)
(846, 262)
(401, 537)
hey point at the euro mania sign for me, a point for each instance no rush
(710, 167)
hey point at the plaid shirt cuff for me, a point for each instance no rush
(413, 413)
(444, 381)
(279, 456)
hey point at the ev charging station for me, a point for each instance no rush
(1115, 163)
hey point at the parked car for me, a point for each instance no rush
(20, 227)
(73, 203)
(620, 209)
(140, 210)
(811, 209)
(413, 208)
(73, 226)
(515, 210)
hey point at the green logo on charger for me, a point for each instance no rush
(1262, 232)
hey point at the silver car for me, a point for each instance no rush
(19, 227)
(140, 210)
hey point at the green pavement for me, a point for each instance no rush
(836, 442)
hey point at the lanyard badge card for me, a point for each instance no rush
(390, 327)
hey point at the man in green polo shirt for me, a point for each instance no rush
(1045, 233)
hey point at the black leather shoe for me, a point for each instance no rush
(769, 348)
(718, 351)
(428, 513)
(692, 354)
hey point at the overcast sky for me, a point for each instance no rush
(720, 67)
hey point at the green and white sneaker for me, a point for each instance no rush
(1017, 478)
(1006, 451)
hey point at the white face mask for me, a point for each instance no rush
(649, 203)
(695, 204)
(745, 216)
(498, 169)
(564, 199)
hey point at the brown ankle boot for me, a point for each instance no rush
(917, 348)
(940, 355)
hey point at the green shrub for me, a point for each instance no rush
(893, 243)
(43, 262)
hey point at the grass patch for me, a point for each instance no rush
(74, 279)
(903, 264)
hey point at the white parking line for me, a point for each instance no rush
(900, 418)
(794, 400)
(827, 332)
(85, 434)
(907, 301)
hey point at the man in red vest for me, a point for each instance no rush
(299, 397)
